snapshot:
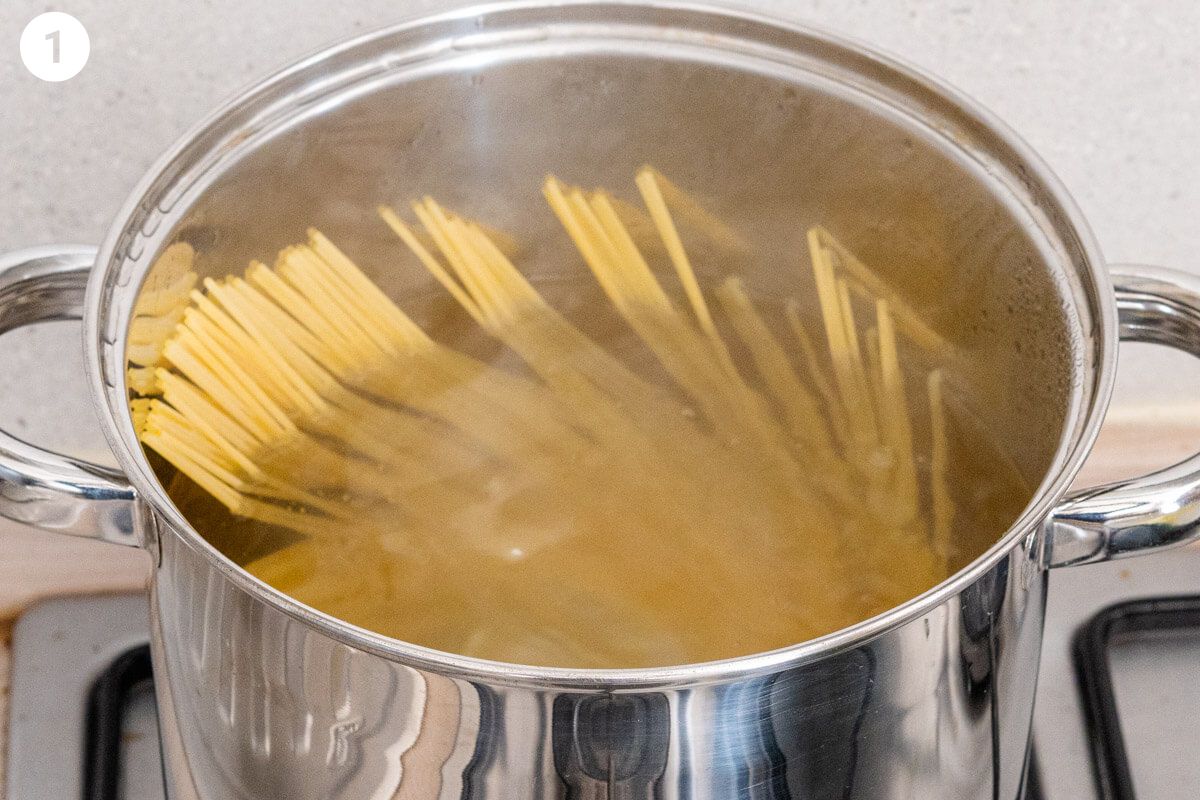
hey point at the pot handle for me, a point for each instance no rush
(1162, 509)
(37, 487)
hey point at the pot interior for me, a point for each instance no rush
(770, 130)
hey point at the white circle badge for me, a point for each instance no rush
(55, 46)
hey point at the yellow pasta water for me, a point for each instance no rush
(709, 474)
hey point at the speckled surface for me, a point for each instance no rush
(1110, 98)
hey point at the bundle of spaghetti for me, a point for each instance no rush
(300, 395)
(695, 355)
(160, 307)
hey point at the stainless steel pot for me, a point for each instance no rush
(262, 697)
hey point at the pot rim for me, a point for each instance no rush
(105, 357)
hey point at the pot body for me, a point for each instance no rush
(265, 701)
(258, 704)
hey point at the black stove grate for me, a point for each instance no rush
(107, 703)
(1110, 758)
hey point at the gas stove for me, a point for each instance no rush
(82, 717)
(1118, 706)
(1116, 715)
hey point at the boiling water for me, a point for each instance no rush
(600, 565)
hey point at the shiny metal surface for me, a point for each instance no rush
(1159, 510)
(263, 697)
(38, 487)
(267, 706)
